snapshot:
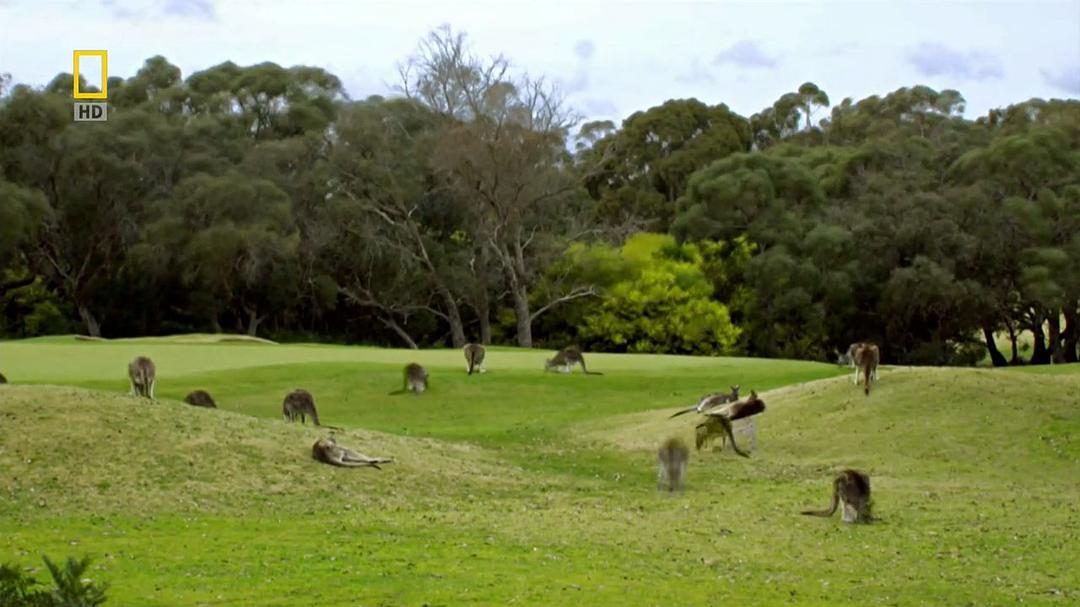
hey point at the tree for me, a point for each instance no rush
(96, 180)
(380, 170)
(754, 194)
(642, 169)
(503, 155)
(663, 305)
(21, 209)
(231, 239)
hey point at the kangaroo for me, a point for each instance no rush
(848, 358)
(710, 401)
(565, 359)
(718, 422)
(327, 450)
(474, 358)
(300, 403)
(851, 489)
(866, 360)
(3, 380)
(671, 462)
(142, 375)
(416, 379)
(200, 398)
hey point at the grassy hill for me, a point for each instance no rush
(532, 488)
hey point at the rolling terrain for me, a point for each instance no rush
(530, 488)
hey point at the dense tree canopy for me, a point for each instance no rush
(472, 207)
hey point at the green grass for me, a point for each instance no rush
(530, 488)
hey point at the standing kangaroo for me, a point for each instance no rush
(474, 358)
(866, 360)
(143, 375)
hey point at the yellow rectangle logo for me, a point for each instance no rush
(76, 93)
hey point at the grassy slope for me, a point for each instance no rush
(533, 488)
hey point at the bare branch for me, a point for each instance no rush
(576, 293)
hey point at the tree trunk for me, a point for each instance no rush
(995, 355)
(1071, 335)
(485, 322)
(521, 312)
(457, 328)
(216, 324)
(1015, 347)
(1054, 337)
(1039, 354)
(453, 313)
(93, 327)
(396, 328)
(253, 322)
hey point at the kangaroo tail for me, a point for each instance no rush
(832, 507)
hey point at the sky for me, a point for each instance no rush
(610, 58)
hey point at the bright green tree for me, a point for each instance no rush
(664, 306)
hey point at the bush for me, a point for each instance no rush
(70, 589)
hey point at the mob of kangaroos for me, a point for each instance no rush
(851, 488)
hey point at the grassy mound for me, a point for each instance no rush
(966, 425)
(70, 449)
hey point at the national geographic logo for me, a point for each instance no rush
(91, 111)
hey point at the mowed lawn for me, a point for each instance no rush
(520, 487)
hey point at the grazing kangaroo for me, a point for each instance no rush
(416, 379)
(565, 359)
(718, 422)
(327, 450)
(3, 380)
(142, 374)
(671, 462)
(710, 401)
(851, 490)
(200, 398)
(474, 358)
(300, 403)
(866, 360)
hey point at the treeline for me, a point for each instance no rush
(473, 207)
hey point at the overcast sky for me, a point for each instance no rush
(611, 57)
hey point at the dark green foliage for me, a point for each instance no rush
(70, 588)
(259, 199)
